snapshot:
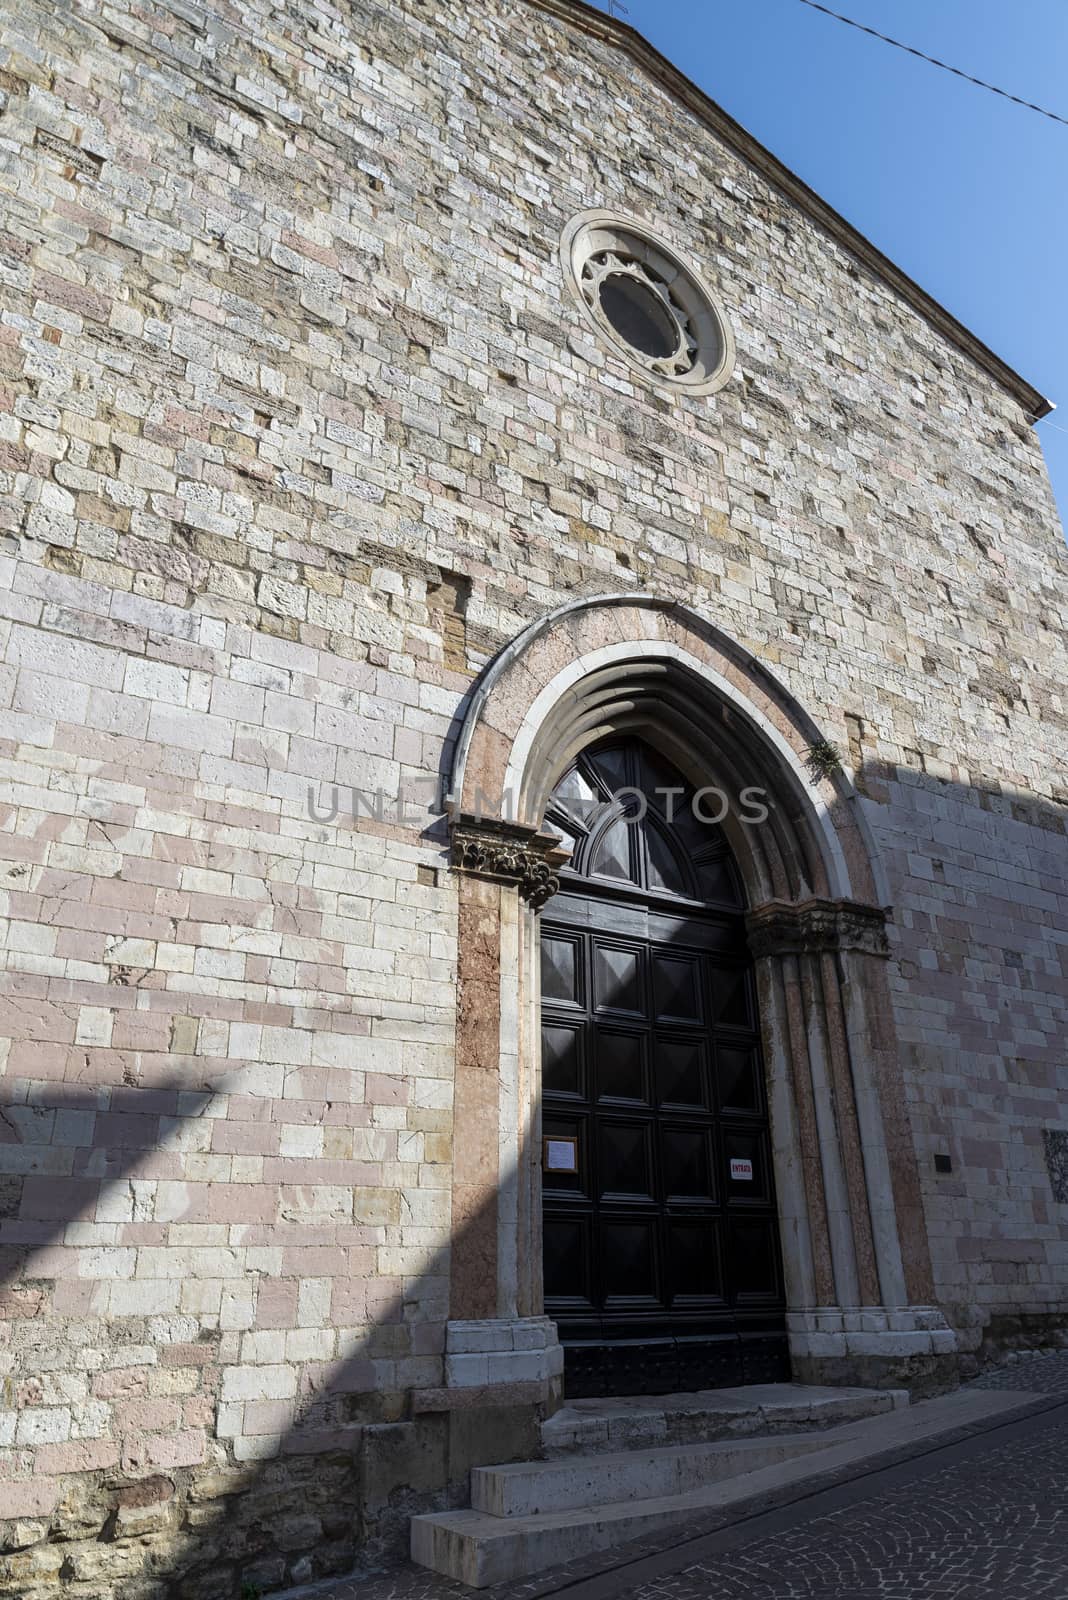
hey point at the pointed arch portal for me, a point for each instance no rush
(779, 882)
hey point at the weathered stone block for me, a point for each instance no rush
(20, 1533)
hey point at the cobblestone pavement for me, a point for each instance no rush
(1046, 1374)
(984, 1518)
(991, 1526)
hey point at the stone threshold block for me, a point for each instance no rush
(633, 1422)
(861, 1331)
(502, 1350)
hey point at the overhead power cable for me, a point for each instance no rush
(1029, 105)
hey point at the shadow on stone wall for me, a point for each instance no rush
(157, 1506)
(70, 1155)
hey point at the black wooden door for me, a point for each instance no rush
(662, 1265)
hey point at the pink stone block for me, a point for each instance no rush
(120, 1383)
(158, 1164)
(222, 1202)
(141, 1414)
(198, 1411)
(73, 1299)
(150, 1233)
(294, 1110)
(77, 1455)
(57, 1262)
(34, 1499)
(348, 1306)
(343, 1088)
(273, 1016)
(358, 1375)
(30, 1059)
(37, 1021)
(386, 1091)
(385, 1300)
(247, 1108)
(276, 1304)
(188, 1355)
(245, 1138)
(307, 1084)
(58, 1199)
(164, 1451)
(75, 944)
(57, 291)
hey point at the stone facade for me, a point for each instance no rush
(300, 429)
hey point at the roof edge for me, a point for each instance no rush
(598, 23)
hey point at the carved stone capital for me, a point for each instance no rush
(509, 853)
(792, 928)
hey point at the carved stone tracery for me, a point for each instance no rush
(813, 926)
(509, 853)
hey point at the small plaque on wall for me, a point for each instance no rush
(559, 1155)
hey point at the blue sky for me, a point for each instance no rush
(965, 191)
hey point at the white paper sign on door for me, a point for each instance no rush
(560, 1155)
(741, 1171)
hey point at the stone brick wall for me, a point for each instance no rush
(293, 439)
(979, 874)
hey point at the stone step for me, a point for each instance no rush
(633, 1422)
(479, 1549)
(581, 1482)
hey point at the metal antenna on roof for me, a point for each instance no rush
(615, 9)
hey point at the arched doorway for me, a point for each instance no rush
(662, 1263)
(855, 1259)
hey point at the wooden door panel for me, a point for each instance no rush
(621, 1065)
(662, 1263)
(677, 988)
(563, 1059)
(682, 1071)
(696, 1253)
(619, 977)
(687, 1161)
(625, 1162)
(561, 969)
(629, 1262)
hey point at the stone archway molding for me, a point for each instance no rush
(725, 665)
(854, 1243)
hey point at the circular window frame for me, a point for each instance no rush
(689, 302)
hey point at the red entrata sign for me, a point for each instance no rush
(741, 1171)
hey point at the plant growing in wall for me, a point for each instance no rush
(824, 758)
